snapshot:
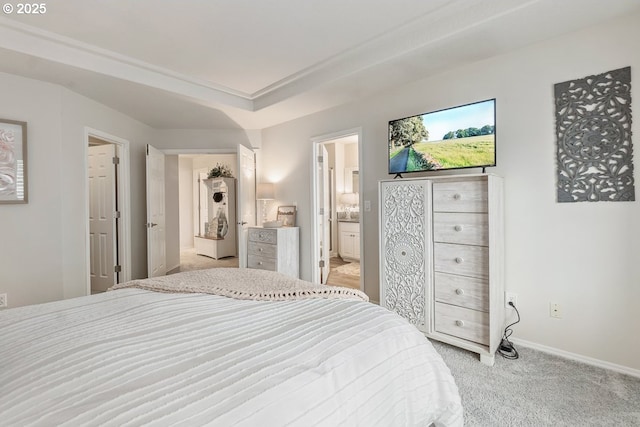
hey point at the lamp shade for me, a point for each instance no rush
(266, 191)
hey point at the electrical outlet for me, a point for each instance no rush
(510, 297)
(555, 310)
(3, 301)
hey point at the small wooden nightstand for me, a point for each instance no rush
(274, 249)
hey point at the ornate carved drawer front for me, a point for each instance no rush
(469, 292)
(263, 235)
(261, 263)
(263, 249)
(463, 228)
(460, 196)
(472, 261)
(461, 322)
(404, 247)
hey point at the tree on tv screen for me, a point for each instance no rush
(406, 132)
(464, 133)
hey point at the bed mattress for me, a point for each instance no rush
(134, 357)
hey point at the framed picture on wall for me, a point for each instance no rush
(13, 161)
(287, 214)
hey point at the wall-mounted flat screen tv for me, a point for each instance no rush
(453, 138)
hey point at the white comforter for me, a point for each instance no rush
(136, 357)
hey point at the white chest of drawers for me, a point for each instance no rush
(441, 258)
(274, 249)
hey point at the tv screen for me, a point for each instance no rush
(453, 138)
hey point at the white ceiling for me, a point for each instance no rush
(253, 64)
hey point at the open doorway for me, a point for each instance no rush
(193, 241)
(107, 215)
(166, 197)
(336, 218)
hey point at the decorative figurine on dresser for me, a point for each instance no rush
(441, 258)
(219, 238)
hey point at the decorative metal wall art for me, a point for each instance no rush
(593, 131)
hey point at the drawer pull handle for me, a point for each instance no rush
(458, 228)
(259, 262)
(457, 196)
(459, 323)
(459, 260)
(259, 249)
(459, 291)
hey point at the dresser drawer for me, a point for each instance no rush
(465, 228)
(263, 249)
(472, 261)
(468, 292)
(263, 235)
(262, 263)
(460, 196)
(464, 323)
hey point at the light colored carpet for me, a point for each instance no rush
(189, 261)
(352, 269)
(539, 389)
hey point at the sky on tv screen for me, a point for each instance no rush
(477, 115)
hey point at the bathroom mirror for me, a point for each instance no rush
(351, 180)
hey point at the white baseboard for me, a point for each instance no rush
(171, 269)
(579, 358)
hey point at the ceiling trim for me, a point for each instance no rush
(391, 46)
(32, 41)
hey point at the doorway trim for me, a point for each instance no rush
(124, 202)
(316, 142)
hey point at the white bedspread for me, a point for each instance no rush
(135, 357)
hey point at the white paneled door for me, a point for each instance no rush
(324, 213)
(156, 233)
(246, 200)
(102, 222)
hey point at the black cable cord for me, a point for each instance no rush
(506, 348)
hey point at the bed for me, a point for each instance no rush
(221, 347)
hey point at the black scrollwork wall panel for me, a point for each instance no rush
(593, 131)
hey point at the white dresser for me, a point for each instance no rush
(441, 258)
(274, 249)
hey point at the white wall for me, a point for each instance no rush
(205, 139)
(43, 242)
(172, 211)
(583, 255)
(31, 265)
(77, 113)
(186, 202)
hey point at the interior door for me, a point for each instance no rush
(156, 234)
(102, 221)
(246, 209)
(324, 213)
